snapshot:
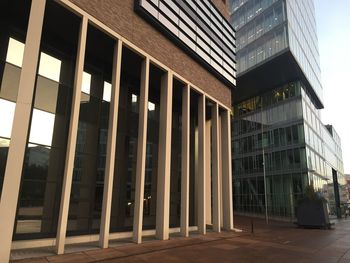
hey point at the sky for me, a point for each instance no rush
(333, 25)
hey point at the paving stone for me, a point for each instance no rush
(276, 242)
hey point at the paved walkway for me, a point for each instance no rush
(277, 242)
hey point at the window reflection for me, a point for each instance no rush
(42, 127)
(15, 52)
(49, 67)
(43, 167)
(46, 94)
(7, 112)
(151, 106)
(86, 83)
(10, 70)
(107, 90)
(90, 156)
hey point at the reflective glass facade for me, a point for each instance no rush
(266, 28)
(12, 37)
(282, 129)
(277, 131)
(302, 35)
(261, 32)
(41, 184)
(90, 154)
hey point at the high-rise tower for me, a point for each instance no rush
(279, 142)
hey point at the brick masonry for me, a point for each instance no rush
(119, 15)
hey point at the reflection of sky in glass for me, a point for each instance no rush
(49, 67)
(107, 90)
(41, 130)
(42, 124)
(15, 52)
(7, 111)
(151, 106)
(86, 82)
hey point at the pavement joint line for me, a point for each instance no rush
(343, 255)
(161, 249)
(260, 238)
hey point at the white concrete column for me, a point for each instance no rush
(164, 157)
(201, 165)
(141, 153)
(220, 172)
(226, 171)
(185, 161)
(72, 138)
(207, 153)
(111, 146)
(215, 167)
(20, 128)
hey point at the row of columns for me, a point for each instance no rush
(220, 157)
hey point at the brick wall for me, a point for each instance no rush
(119, 15)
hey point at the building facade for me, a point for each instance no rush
(280, 145)
(115, 121)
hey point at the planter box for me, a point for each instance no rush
(313, 214)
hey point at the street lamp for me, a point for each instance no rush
(264, 167)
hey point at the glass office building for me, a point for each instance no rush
(279, 142)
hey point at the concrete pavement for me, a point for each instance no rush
(277, 242)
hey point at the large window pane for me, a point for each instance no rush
(43, 167)
(123, 198)
(176, 135)
(90, 156)
(14, 15)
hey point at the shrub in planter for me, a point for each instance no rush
(312, 210)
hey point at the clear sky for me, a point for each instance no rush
(333, 23)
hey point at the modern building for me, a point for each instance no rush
(279, 142)
(114, 120)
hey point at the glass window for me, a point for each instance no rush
(15, 52)
(90, 156)
(43, 168)
(49, 67)
(14, 17)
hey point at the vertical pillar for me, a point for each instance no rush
(111, 146)
(215, 167)
(141, 153)
(201, 166)
(185, 161)
(164, 157)
(207, 153)
(220, 172)
(72, 138)
(226, 171)
(20, 128)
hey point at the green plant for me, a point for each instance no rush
(311, 195)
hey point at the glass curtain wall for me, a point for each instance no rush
(150, 192)
(43, 167)
(273, 122)
(176, 150)
(123, 198)
(14, 15)
(193, 158)
(90, 156)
